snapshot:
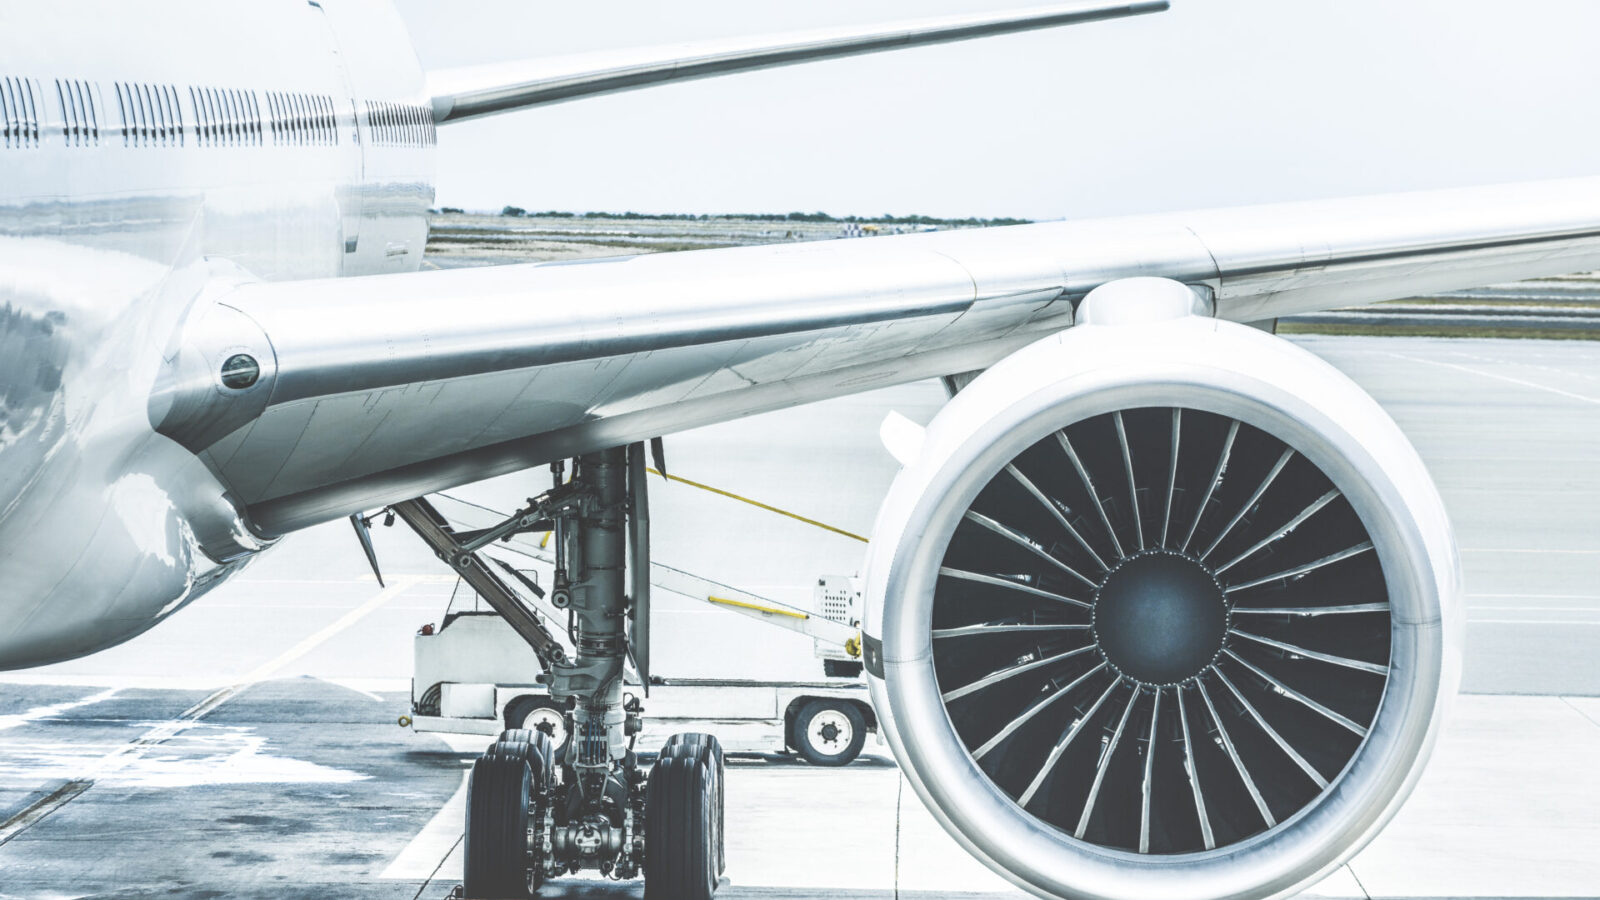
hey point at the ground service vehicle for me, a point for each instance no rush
(474, 675)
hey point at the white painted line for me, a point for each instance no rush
(1541, 596)
(353, 582)
(421, 858)
(123, 756)
(349, 686)
(321, 635)
(1513, 608)
(1523, 550)
(1533, 622)
(263, 607)
(56, 709)
(1499, 377)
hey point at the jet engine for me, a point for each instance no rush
(1162, 607)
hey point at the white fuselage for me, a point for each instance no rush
(147, 151)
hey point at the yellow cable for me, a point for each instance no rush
(756, 503)
(759, 608)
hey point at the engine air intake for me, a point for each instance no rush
(1163, 650)
(1162, 607)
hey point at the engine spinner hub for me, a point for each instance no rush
(1160, 617)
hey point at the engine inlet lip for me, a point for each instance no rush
(1228, 370)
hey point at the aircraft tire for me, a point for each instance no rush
(680, 809)
(708, 750)
(540, 751)
(498, 807)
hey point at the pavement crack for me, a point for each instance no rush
(899, 794)
(446, 858)
(115, 761)
(1364, 892)
(1580, 712)
(44, 806)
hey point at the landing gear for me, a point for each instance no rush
(516, 836)
(536, 809)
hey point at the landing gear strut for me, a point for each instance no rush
(534, 812)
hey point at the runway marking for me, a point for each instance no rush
(1518, 608)
(1524, 550)
(354, 581)
(56, 709)
(352, 687)
(1543, 596)
(315, 639)
(428, 851)
(44, 806)
(1533, 622)
(123, 756)
(1499, 377)
(361, 580)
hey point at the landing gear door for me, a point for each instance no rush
(639, 564)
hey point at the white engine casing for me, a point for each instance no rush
(1194, 362)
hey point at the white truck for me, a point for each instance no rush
(474, 674)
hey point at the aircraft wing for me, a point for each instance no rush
(474, 91)
(382, 388)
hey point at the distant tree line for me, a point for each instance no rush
(822, 217)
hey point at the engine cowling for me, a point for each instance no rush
(1165, 608)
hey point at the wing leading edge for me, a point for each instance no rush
(392, 386)
(475, 91)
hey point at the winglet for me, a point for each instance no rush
(471, 92)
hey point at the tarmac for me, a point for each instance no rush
(248, 746)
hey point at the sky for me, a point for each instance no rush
(1214, 103)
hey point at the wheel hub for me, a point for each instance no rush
(1160, 617)
(830, 728)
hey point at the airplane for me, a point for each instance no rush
(1159, 606)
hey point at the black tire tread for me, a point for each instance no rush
(495, 864)
(681, 855)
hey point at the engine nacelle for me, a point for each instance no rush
(1161, 609)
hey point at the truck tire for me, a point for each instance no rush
(829, 732)
(536, 712)
(496, 853)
